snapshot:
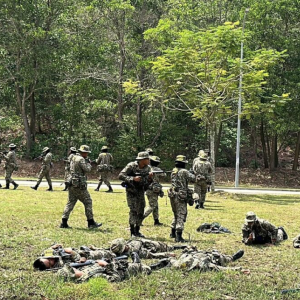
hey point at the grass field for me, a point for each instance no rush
(29, 223)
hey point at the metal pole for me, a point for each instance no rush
(238, 140)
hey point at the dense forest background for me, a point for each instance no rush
(151, 73)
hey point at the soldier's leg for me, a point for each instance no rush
(203, 193)
(106, 181)
(150, 208)
(72, 199)
(140, 207)
(8, 179)
(197, 190)
(174, 221)
(39, 180)
(181, 218)
(47, 175)
(99, 183)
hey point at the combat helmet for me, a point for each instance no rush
(46, 149)
(12, 146)
(104, 148)
(250, 217)
(202, 155)
(155, 158)
(150, 151)
(142, 155)
(118, 245)
(84, 148)
(73, 149)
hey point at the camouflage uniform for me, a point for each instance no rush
(67, 167)
(263, 231)
(203, 261)
(10, 166)
(135, 192)
(202, 170)
(180, 179)
(115, 271)
(153, 196)
(104, 158)
(78, 187)
(143, 247)
(45, 170)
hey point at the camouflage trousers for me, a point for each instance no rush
(44, 172)
(104, 177)
(179, 209)
(200, 188)
(153, 205)
(81, 195)
(67, 174)
(136, 204)
(8, 174)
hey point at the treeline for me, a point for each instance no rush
(162, 74)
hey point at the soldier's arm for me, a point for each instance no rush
(111, 158)
(48, 158)
(98, 160)
(124, 174)
(246, 233)
(7, 157)
(271, 229)
(189, 176)
(85, 166)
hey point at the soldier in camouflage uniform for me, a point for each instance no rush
(180, 195)
(57, 256)
(259, 231)
(104, 162)
(154, 190)
(136, 185)
(67, 167)
(114, 271)
(193, 259)
(10, 165)
(80, 165)
(46, 156)
(202, 170)
(144, 247)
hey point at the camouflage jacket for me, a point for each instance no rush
(130, 171)
(10, 159)
(79, 166)
(104, 159)
(157, 176)
(68, 161)
(181, 178)
(47, 159)
(261, 228)
(202, 168)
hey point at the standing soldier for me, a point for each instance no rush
(202, 169)
(10, 165)
(136, 177)
(46, 156)
(104, 168)
(80, 165)
(67, 167)
(180, 195)
(154, 190)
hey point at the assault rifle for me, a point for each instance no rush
(86, 263)
(3, 152)
(40, 157)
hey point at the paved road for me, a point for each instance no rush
(60, 185)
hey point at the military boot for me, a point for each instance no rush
(202, 205)
(197, 205)
(66, 186)
(237, 255)
(0, 185)
(110, 190)
(160, 264)
(93, 224)
(285, 236)
(98, 187)
(137, 232)
(15, 185)
(35, 187)
(173, 233)
(50, 189)
(135, 258)
(132, 230)
(64, 223)
(179, 238)
(157, 223)
(7, 185)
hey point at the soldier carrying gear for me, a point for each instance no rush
(79, 166)
(104, 162)
(202, 169)
(180, 195)
(67, 167)
(47, 164)
(136, 186)
(154, 190)
(259, 231)
(10, 165)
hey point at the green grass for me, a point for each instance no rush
(29, 223)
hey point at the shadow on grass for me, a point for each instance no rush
(268, 199)
(94, 230)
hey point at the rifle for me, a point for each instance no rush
(86, 263)
(3, 152)
(288, 291)
(39, 157)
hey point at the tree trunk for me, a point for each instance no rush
(254, 143)
(139, 118)
(218, 141)
(297, 150)
(33, 116)
(212, 153)
(263, 144)
(274, 156)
